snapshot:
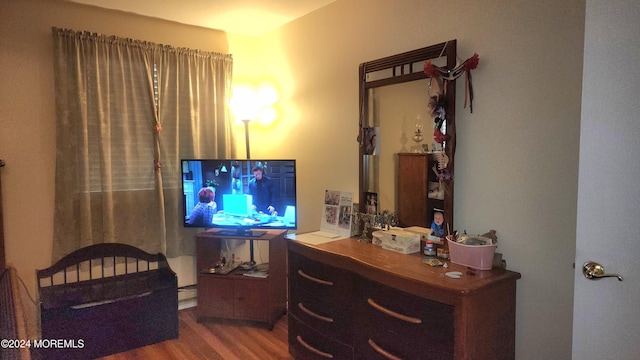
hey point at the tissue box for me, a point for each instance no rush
(397, 240)
(478, 257)
(425, 234)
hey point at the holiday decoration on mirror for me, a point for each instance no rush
(437, 87)
(471, 63)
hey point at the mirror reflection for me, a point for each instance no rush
(397, 110)
(396, 119)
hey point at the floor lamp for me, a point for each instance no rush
(246, 122)
(246, 137)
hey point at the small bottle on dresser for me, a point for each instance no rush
(430, 249)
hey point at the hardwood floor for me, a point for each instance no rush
(217, 339)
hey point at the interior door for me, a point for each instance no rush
(606, 319)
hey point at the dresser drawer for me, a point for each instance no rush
(307, 343)
(387, 344)
(327, 317)
(397, 320)
(319, 280)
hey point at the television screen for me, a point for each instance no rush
(239, 194)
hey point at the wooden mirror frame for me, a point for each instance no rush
(400, 67)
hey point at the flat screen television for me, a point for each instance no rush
(243, 197)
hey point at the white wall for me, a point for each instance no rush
(517, 154)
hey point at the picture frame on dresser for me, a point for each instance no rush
(372, 203)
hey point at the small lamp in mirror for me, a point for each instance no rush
(417, 136)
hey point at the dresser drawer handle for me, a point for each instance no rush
(313, 314)
(312, 349)
(309, 277)
(382, 351)
(393, 313)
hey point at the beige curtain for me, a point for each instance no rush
(127, 111)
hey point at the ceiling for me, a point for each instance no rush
(245, 17)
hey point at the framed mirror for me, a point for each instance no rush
(395, 96)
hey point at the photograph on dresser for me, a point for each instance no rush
(372, 203)
(437, 223)
(336, 213)
(236, 194)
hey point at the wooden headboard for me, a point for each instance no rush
(74, 261)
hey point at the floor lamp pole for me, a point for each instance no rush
(248, 148)
(246, 137)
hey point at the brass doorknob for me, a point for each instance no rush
(594, 271)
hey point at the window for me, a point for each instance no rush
(127, 112)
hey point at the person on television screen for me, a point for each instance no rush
(236, 181)
(263, 191)
(202, 213)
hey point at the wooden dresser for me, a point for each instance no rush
(352, 300)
